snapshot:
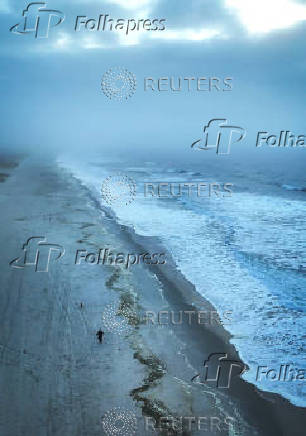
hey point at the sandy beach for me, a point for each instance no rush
(56, 378)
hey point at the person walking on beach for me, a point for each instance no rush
(100, 335)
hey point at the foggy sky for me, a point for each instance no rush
(51, 88)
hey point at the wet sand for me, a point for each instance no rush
(56, 379)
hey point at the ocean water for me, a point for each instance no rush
(244, 252)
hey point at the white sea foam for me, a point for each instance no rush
(242, 253)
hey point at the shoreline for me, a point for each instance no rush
(186, 298)
(150, 368)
